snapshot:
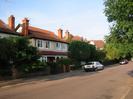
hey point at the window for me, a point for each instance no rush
(63, 46)
(90, 63)
(44, 59)
(39, 43)
(97, 63)
(57, 45)
(47, 44)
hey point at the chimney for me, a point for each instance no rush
(67, 34)
(11, 22)
(60, 33)
(25, 25)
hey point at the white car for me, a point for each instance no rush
(93, 66)
(125, 61)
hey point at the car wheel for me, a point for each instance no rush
(95, 69)
(86, 70)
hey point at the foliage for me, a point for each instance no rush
(100, 55)
(119, 10)
(35, 67)
(64, 61)
(81, 51)
(16, 52)
(119, 41)
(6, 54)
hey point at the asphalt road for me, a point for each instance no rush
(111, 83)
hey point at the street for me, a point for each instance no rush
(110, 83)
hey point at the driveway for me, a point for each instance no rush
(111, 83)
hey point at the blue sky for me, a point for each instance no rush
(81, 17)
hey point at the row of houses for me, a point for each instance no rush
(51, 46)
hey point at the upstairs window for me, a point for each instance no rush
(58, 45)
(47, 44)
(63, 46)
(39, 43)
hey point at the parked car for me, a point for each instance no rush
(124, 61)
(93, 66)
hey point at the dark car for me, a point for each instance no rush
(125, 61)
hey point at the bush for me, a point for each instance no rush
(35, 67)
(64, 61)
(108, 62)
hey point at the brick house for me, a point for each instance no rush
(7, 30)
(51, 47)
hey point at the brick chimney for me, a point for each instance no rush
(67, 34)
(60, 33)
(25, 25)
(11, 22)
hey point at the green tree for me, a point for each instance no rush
(120, 15)
(17, 53)
(81, 51)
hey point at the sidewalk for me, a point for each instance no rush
(23, 81)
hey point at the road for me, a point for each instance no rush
(111, 83)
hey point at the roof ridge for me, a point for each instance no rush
(39, 29)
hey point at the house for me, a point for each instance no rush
(7, 30)
(51, 47)
(99, 44)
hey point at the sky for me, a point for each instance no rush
(81, 17)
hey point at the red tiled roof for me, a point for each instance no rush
(98, 43)
(52, 53)
(4, 28)
(78, 38)
(43, 34)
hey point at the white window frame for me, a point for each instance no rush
(39, 43)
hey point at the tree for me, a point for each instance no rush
(120, 14)
(17, 53)
(81, 51)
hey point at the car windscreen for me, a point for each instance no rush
(97, 63)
